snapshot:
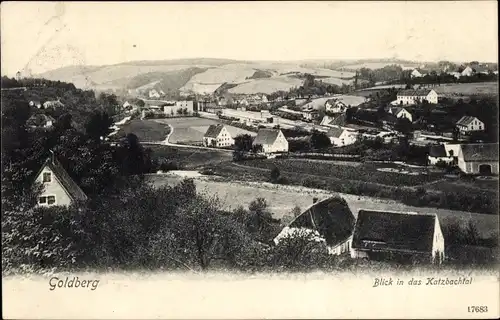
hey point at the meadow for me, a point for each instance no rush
(145, 130)
(476, 88)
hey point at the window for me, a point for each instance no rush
(47, 177)
(51, 200)
(42, 200)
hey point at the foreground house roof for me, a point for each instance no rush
(266, 136)
(39, 119)
(480, 151)
(73, 190)
(214, 131)
(331, 217)
(335, 132)
(392, 231)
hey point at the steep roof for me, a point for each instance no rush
(331, 217)
(396, 110)
(480, 151)
(73, 190)
(266, 136)
(413, 92)
(335, 132)
(339, 121)
(437, 151)
(466, 120)
(392, 231)
(39, 119)
(214, 131)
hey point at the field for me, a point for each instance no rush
(192, 130)
(145, 130)
(189, 158)
(282, 199)
(362, 172)
(490, 88)
(377, 65)
(266, 86)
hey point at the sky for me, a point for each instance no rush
(42, 36)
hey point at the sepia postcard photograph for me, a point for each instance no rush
(250, 160)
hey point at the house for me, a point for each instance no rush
(341, 136)
(404, 237)
(456, 74)
(54, 104)
(468, 124)
(126, 105)
(416, 73)
(467, 72)
(154, 94)
(35, 103)
(438, 153)
(412, 96)
(478, 158)
(329, 220)
(400, 113)
(335, 106)
(271, 140)
(243, 102)
(217, 136)
(40, 120)
(58, 187)
(178, 107)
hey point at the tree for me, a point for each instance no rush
(257, 148)
(98, 125)
(243, 142)
(319, 140)
(275, 174)
(296, 211)
(403, 125)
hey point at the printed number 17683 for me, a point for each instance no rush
(477, 309)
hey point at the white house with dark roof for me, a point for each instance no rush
(413, 96)
(217, 136)
(400, 113)
(54, 104)
(329, 221)
(478, 158)
(35, 103)
(342, 136)
(416, 73)
(439, 153)
(271, 140)
(468, 124)
(335, 106)
(58, 187)
(404, 237)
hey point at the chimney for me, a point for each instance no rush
(52, 156)
(315, 200)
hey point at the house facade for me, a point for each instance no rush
(40, 121)
(467, 125)
(178, 107)
(217, 136)
(271, 140)
(398, 236)
(401, 113)
(335, 106)
(59, 189)
(341, 136)
(416, 74)
(478, 158)
(467, 72)
(416, 96)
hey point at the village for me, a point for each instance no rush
(417, 138)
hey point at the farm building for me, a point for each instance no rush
(467, 72)
(438, 153)
(178, 107)
(478, 158)
(54, 104)
(217, 136)
(335, 106)
(40, 120)
(341, 136)
(467, 125)
(400, 113)
(415, 96)
(416, 73)
(329, 220)
(404, 237)
(59, 188)
(271, 140)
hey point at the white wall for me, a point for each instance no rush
(54, 188)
